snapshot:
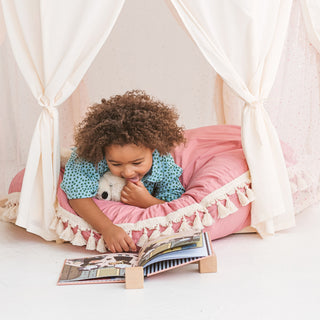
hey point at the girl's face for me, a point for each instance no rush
(130, 161)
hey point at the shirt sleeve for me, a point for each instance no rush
(80, 179)
(170, 187)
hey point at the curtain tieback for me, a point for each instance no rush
(47, 105)
(52, 111)
(256, 104)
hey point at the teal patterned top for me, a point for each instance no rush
(81, 178)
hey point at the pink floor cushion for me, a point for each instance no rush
(217, 197)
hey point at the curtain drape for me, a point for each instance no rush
(243, 41)
(311, 15)
(17, 126)
(2, 27)
(54, 43)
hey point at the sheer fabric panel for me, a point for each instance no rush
(311, 14)
(293, 105)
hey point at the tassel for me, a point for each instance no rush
(207, 219)
(143, 239)
(155, 233)
(249, 193)
(242, 198)
(101, 246)
(78, 239)
(60, 227)
(67, 234)
(231, 206)
(301, 183)
(91, 244)
(6, 214)
(294, 187)
(169, 230)
(13, 213)
(184, 225)
(54, 223)
(222, 210)
(10, 214)
(197, 225)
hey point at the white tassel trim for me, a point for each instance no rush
(197, 224)
(67, 234)
(294, 187)
(207, 219)
(301, 183)
(91, 244)
(249, 193)
(78, 239)
(143, 239)
(184, 225)
(155, 234)
(101, 246)
(231, 206)
(9, 207)
(222, 210)
(178, 216)
(300, 179)
(60, 228)
(168, 231)
(242, 198)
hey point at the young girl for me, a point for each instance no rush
(131, 135)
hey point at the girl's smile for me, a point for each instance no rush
(129, 161)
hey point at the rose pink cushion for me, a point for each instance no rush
(215, 172)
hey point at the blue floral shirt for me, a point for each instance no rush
(81, 178)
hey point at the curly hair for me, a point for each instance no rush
(131, 118)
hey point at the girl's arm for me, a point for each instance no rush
(116, 238)
(80, 183)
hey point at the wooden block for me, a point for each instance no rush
(208, 264)
(134, 278)
(247, 230)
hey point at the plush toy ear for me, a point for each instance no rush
(104, 189)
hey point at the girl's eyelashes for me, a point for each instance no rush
(118, 164)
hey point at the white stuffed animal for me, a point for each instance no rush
(110, 187)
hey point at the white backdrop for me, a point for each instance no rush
(157, 55)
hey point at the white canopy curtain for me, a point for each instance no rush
(311, 14)
(53, 57)
(2, 27)
(243, 41)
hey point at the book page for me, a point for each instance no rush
(96, 267)
(180, 255)
(182, 240)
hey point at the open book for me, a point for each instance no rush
(155, 256)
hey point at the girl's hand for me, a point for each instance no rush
(136, 194)
(117, 240)
(115, 237)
